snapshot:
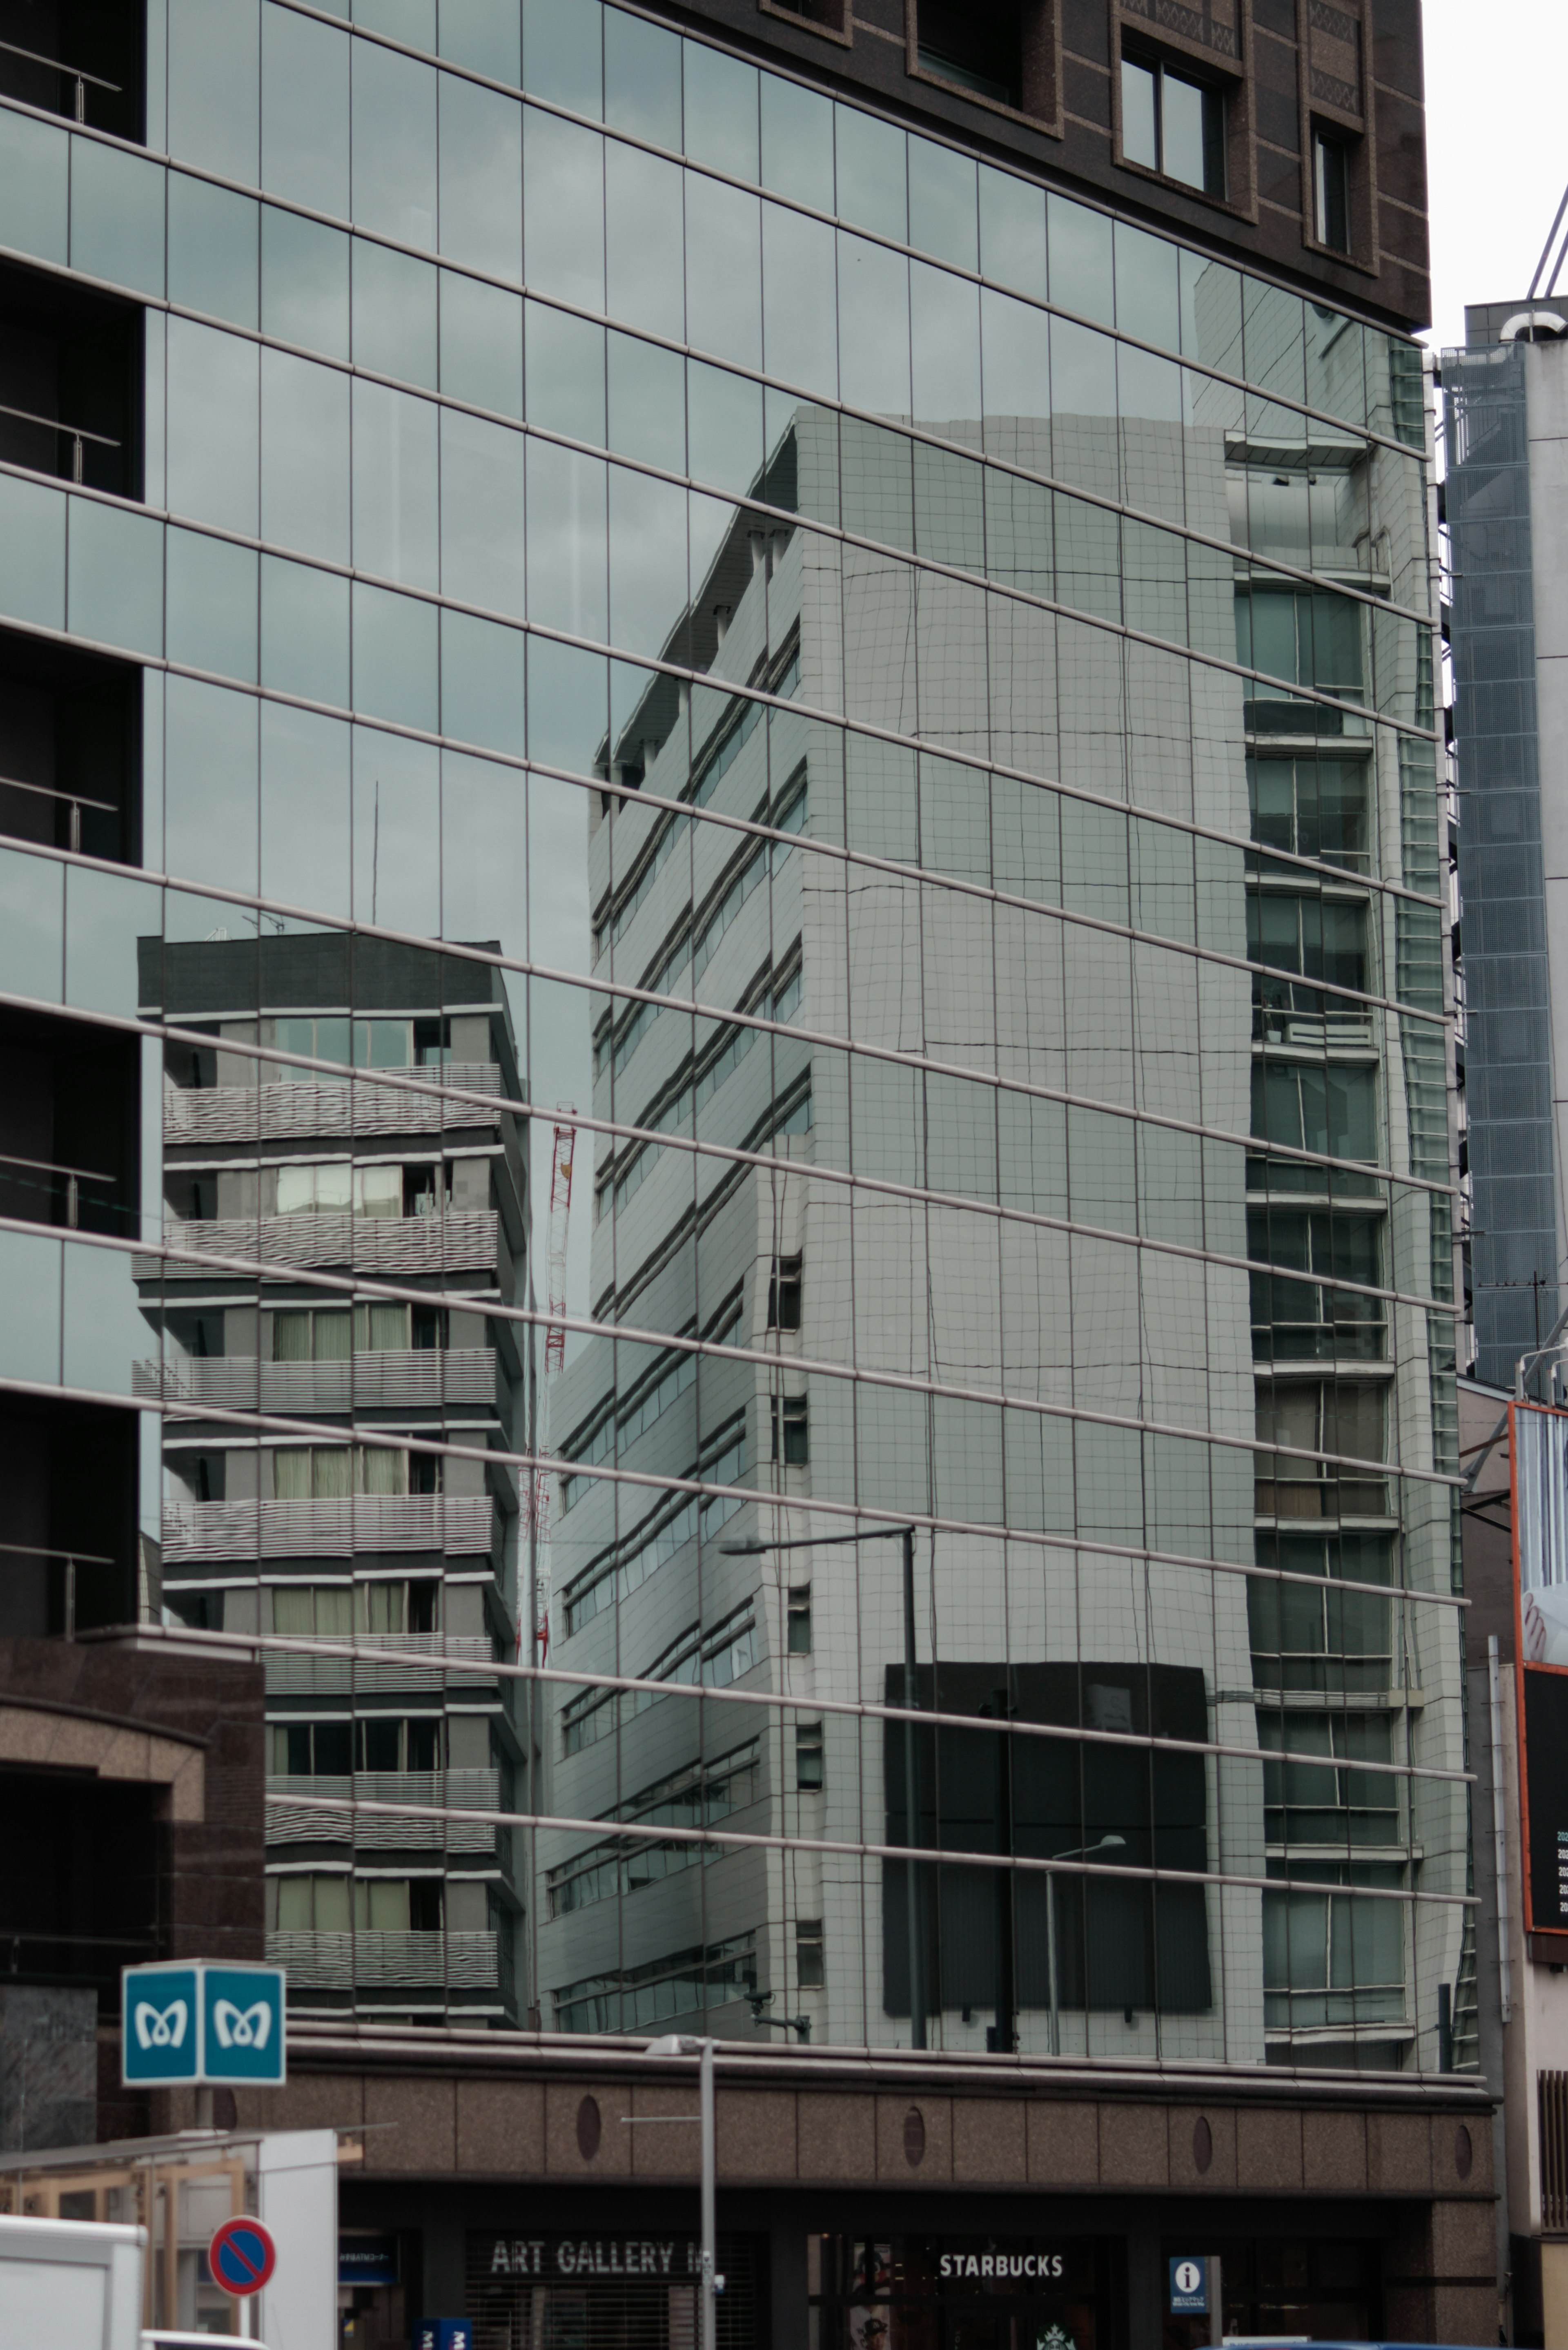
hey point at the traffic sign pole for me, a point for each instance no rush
(1216, 2303)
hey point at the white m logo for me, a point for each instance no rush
(161, 2027)
(242, 2027)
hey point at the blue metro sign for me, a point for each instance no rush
(191, 2024)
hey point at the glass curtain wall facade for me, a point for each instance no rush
(869, 727)
(1512, 1149)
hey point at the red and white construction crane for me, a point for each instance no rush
(561, 1158)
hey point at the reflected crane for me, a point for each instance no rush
(561, 1158)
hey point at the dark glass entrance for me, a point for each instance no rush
(967, 2293)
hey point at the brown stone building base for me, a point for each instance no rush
(132, 1779)
(475, 2139)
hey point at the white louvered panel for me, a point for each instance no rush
(315, 1961)
(460, 1524)
(289, 1676)
(385, 1961)
(293, 1824)
(296, 1111)
(382, 1379)
(472, 1961)
(386, 1830)
(462, 1240)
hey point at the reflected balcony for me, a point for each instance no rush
(385, 1379)
(215, 1533)
(1345, 1031)
(387, 1962)
(366, 1675)
(296, 1822)
(1321, 1499)
(461, 1241)
(1320, 1672)
(1297, 1322)
(299, 1111)
(1320, 2020)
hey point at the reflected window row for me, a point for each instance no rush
(1125, 1958)
(1336, 1484)
(1329, 1639)
(238, 772)
(1329, 1410)
(1053, 404)
(345, 470)
(1299, 1317)
(1005, 1140)
(1063, 693)
(440, 163)
(1031, 394)
(1323, 1506)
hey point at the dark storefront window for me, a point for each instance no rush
(1284, 2286)
(966, 2293)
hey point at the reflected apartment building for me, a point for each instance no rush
(349, 1536)
(724, 829)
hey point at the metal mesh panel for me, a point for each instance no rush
(632, 2290)
(1552, 2089)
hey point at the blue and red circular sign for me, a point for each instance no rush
(242, 2255)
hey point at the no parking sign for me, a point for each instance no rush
(242, 2255)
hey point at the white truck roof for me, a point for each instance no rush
(75, 2285)
(160, 2337)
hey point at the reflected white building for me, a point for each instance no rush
(1063, 1049)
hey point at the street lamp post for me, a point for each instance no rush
(1074, 1852)
(911, 1704)
(1526, 1363)
(678, 2043)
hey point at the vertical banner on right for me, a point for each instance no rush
(1539, 1453)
